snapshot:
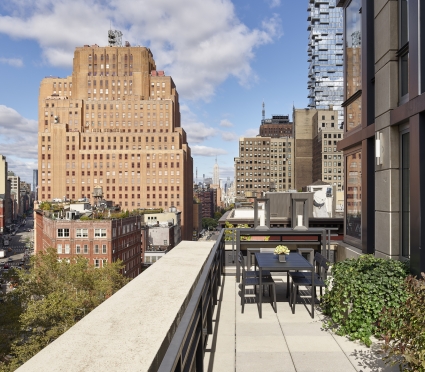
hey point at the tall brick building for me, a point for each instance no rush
(264, 164)
(115, 124)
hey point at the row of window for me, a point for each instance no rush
(81, 249)
(122, 106)
(81, 233)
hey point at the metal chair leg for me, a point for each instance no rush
(243, 297)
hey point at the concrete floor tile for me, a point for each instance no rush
(311, 343)
(310, 361)
(264, 361)
(261, 344)
(282, 341)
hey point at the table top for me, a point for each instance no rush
(294, 261)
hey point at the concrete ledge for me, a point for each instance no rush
(131, 330)
(345, 251)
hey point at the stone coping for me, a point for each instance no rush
(131, 330)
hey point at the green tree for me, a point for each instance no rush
(208, 223)
(48, 300)
(217, 215)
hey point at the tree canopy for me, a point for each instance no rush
(209, 223)
(47, 300)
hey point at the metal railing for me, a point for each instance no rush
(187, 347)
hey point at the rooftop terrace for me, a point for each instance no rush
(184, 313)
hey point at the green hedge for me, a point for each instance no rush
(358, 292)
(403, 329)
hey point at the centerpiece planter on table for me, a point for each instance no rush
(281, 251)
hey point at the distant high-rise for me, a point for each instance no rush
(114, 126)
(325, 55)
(277, 127)
(216, 174)
(35, 182)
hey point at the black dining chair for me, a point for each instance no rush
(255, 281)
(298, 279)
(251, 273)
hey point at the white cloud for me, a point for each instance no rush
(229, 136)
(253, 132)
(199, 43)
(207, 151)
(196, 130)
(15, 62)
(273, 3)
(227, 172)
(14, 127)
(226, 123)
(18, 142)
(22, 167)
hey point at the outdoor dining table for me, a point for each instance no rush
(294, 262)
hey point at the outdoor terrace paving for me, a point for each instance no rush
(282, 341)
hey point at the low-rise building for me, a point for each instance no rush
(99, 240)
(162, 233)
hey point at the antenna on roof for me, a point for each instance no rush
(114, 37)
(264, 111)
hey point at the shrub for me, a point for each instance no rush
(403, 329)
(359, 290)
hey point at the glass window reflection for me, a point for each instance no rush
(354, 195)
(353, 47)
(353, 114)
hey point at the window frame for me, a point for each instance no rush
(356, 242)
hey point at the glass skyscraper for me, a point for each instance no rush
(325, 55)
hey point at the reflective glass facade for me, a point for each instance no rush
(353, 195)
(325, 52)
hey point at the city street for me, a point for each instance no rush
(18, 248)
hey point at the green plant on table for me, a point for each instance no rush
(282, 249)
(360, 289)
(403, 329)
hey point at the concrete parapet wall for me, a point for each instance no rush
(130, 331)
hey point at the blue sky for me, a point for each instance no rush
(226, 57)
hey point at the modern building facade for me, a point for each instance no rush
(325, 56)
(115, 124)
(264, 164)
(383, 147)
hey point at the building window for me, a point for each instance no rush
(405, 194)
(96, 263)
(67, 249)
(403, 52)
(353, 61)
(104, 248)
(100, 233)
(354, 195)
(59, 248)
(96, 249)
(85, 249)
(63, 233)
(77, 249)
(81, 233)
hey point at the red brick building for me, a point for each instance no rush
(100, 240)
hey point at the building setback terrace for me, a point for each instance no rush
(184, 314)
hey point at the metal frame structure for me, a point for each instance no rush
(296, 236)
(187, 347)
